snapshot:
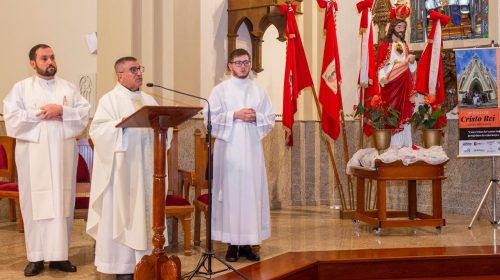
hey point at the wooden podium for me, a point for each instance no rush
(159, 265)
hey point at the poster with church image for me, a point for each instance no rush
(478, 84)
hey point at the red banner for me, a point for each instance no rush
(297, 74)
(329, 91)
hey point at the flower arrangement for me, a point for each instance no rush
(378, 114)
(427, 116)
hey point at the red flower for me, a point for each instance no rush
(430, 99)
(376, 100)
(377, 114)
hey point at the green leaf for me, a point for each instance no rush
(426, 117)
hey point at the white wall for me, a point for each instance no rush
(62, 24)
(213, 38)
(273, 62)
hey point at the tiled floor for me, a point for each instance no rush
(293, 229)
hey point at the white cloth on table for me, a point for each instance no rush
(366, 157)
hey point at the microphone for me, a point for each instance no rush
(180, 92)
(209, 121)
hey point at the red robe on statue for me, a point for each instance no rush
(398, 91)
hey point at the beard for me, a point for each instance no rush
(400, 35)
(50, 71)
(244, 76)
(241, 76)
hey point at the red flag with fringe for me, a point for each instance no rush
(368, 76)
(329, 91)
(297, 75)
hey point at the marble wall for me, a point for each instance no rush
(303, 174)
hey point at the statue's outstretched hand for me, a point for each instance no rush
(383, 81)
(411, 58)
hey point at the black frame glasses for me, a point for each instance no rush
(245, 63)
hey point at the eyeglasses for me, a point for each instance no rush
(241, 63)
(134, 70)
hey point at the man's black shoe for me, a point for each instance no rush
(33, 268)
(125, 276)
(65, 266)
(232, 253)
(246, 251)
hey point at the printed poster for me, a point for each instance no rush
(478, 110)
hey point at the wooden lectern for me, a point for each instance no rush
(158, 265)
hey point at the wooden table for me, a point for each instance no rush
(398, 171)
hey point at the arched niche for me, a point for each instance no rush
(257, 15)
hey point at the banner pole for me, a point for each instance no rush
(330, 153)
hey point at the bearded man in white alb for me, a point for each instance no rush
(120, 210)
(242, 116)
(45, 114)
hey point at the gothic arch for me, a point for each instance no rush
(258, 15)
(247, 22)
(475, 86)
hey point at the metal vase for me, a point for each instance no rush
(382, 139)
(431, 137)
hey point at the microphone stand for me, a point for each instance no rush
(209, 254)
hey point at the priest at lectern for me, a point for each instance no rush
(120, 210)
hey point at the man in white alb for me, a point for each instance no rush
(45, 114)
(120, 214)
(242, 116)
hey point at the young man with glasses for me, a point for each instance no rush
(241, 117)
(45, 114)
(120, 210)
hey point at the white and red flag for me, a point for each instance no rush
(297, 74)
(429, 80)
(368, 78)
(329, 92)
